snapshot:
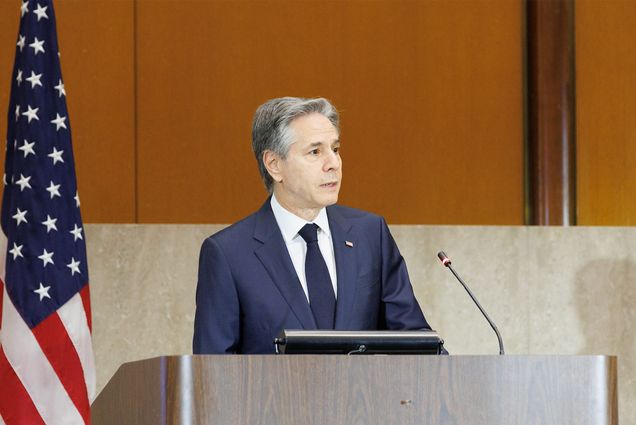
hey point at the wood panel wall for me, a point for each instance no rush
(606, 112)
(161, 95)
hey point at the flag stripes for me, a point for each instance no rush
(60, 353)
(15, 403)
(34, 371)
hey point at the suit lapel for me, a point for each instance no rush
(275, 258)
(344, 246)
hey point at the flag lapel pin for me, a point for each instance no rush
(349, 244)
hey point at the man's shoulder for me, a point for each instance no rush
(353, 214)
(236, 232)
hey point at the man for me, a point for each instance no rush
(300, 262)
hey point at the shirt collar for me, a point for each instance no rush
(289, 223)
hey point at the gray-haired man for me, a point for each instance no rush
(300, 262)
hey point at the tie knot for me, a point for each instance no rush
(309, 232)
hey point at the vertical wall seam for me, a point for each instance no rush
(135, 115)
(574, 169)
(527, 200)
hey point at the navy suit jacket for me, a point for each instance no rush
(248, 290)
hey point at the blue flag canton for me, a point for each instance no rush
(46, 252)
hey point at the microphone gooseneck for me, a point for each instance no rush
(447, 263)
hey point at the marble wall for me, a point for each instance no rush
(550, 290)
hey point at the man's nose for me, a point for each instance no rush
(332, 162)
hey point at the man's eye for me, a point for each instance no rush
(314, 151)
(336, 149)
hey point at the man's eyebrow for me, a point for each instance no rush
(317, 144)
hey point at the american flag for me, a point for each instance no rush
(47, 372)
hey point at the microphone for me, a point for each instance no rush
(447, 263)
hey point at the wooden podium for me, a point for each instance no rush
(387, 390)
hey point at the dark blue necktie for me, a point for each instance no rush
(321, 297)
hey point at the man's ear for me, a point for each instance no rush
(272, 161)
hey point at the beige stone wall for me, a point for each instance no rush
(550, 290)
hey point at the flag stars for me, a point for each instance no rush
(77, 201)
(76, 232)
(27, 148)
(17, 112)
(24, 9)
(20, 216)
(23, 182)
(74, 266)
(46, 257)
(31, 114)
(16, 251)
(60, 89)
(37, 45)
(59, 122)
(18, 77)
(56, 156)
(43, 291)
(34, 79)
(54, 190)
(41, 12)
(21, 42)
(50, 223)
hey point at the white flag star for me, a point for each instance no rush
(76, 232)
(50, 223)
(23, 182)
(17, 112)
(60, 89)
(24, 8)
(18, 78)
(74, 266)
(46, 257)
(21, 42)
(37, 46)
(54, 190)
(20, 216)
(16, 251)
(56, 156)
(31, 113)
(41, 12)
(59, 122)
(27, 148)
(34, 79)
(76, 197)
(43, 291)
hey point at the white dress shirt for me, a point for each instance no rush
(289, 225)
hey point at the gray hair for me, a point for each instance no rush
(271, 127)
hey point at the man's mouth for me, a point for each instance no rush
(329, 185)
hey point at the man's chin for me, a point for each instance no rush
(330, 200)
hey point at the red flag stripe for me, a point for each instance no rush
(59, 350)
(1, 295)
(86, 300)
(73, 317)
(15, 404)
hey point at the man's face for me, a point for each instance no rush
(308, 179)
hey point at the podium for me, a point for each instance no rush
(336, 389)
